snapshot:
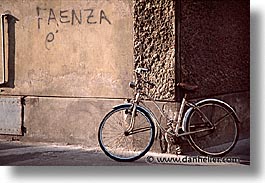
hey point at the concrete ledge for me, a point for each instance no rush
(65, 120)
(76, 120)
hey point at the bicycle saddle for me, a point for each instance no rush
(188, 87)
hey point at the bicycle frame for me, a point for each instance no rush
(136, 116)
(180, 121)
(154, 117)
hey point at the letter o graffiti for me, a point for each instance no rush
(50, 37)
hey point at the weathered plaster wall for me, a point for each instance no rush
(154, 44)
(67, 58)
(215, 45)
(68, 54)
(70, 48)
(65, 120)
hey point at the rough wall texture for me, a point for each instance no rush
(154, 44)
(75, 50)
(215, 45)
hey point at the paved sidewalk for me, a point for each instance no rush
(46, 154)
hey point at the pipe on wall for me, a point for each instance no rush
(3, 48)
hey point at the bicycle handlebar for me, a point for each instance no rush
(138, 72)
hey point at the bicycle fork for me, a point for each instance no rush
(133, 115)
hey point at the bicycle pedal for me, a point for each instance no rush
(178, 150)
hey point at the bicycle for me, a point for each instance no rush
(128, 131)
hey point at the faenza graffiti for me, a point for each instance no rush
(73, 17)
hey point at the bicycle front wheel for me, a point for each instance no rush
(215, 128)
(115, 140)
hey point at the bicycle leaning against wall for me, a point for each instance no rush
(128, 131)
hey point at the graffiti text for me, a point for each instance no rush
(73, 17)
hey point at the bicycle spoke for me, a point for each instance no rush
(127, 144)
(217, 139)
(112, 139)
(222, 118)
(135, 131)
(119, 146)
(120, 122)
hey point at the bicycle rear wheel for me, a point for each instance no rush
(221, 128)
(117, 143)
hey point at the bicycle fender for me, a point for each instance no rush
(146, 111)
(185, 119)
(121, 105)
(188, 112)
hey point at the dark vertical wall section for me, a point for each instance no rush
(154, 44)
(207, 45)
(215, 45)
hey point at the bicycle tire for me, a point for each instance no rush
(220, 140)
(125, 148)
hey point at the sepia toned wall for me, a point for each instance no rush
(154, 44)
(215, 46)
(68, 62)
(70, 48)
(71, 61)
